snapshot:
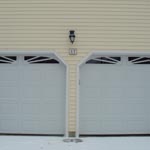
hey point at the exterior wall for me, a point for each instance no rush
(99, 25)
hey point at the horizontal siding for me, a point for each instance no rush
(99, 25)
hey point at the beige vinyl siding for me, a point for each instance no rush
(99, 25)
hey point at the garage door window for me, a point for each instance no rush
(104, 60)
(40, 60)
(7, 59)
(139, 60)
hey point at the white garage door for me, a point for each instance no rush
(115, 95)
(32, 95)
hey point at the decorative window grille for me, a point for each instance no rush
(139, 60)
(7, 59)
(40, 60)
(104, 60)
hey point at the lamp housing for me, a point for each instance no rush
(72, 36)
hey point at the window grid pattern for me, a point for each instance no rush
(104, 60)
(40, 60)
(8, 59)
(139, 60)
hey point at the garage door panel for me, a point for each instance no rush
(88, 77)
(30, 100)
(31, 92)
(137, 92)
(35, 92)
(115, 92)
(58, 73)
(8, 100)
(27, 116)
(53, 92)
(90, 92)
(113, 126)
(89, 100)
(127, 109)
(90, 126)
(90, 109)
(39, 108)
(52, 110)
(48, 81)
(126, 100)
(43, 100)
(32, 96)
(12, 107)
(10, 125)
(31, 76)
(100, 78)
(114, 98)
(36, 76)
(13, 92)
(35, 126)
(114, 109)
(31, 108)
(8, 75)
(140, 126)
(30, 126)
(55, 124)
(135, 77)
(56, 100)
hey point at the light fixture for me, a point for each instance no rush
(72, 36)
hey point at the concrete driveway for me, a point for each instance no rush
(89, 143)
